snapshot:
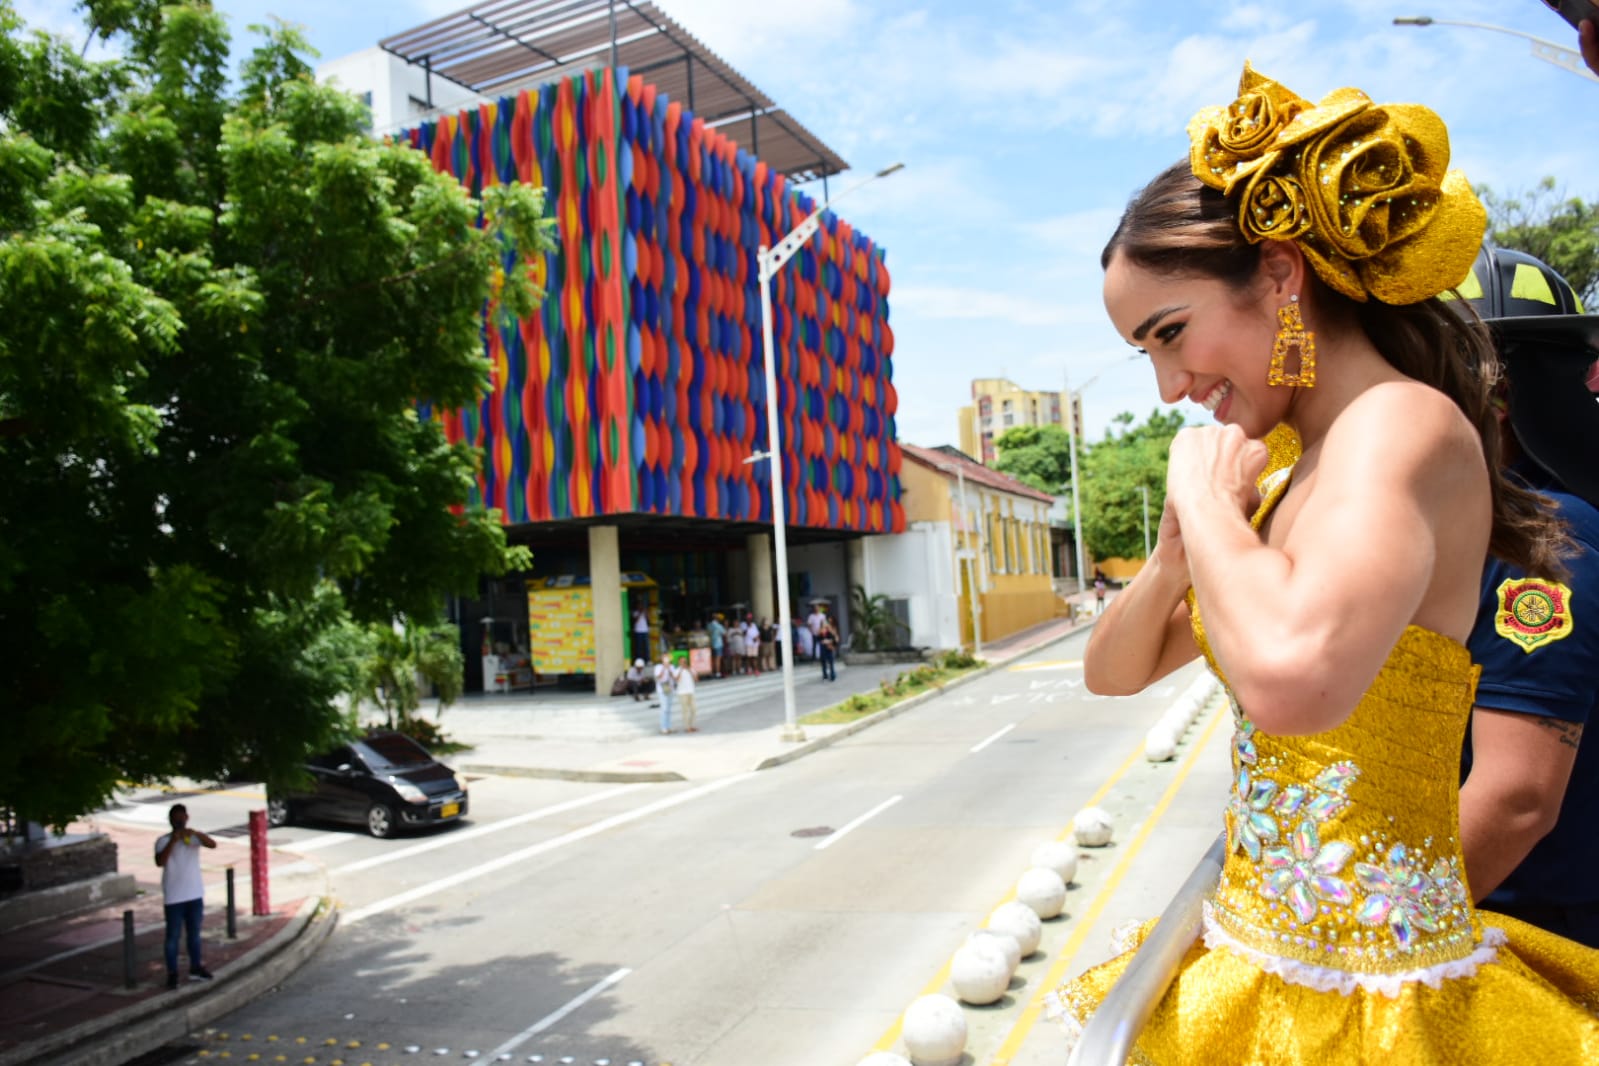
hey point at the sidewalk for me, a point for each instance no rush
(62, 994)
(582, 737)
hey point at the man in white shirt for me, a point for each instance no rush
(683, 689)
(641, 634)
(638, 677)
(182, 890)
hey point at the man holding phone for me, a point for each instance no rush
(183, 890)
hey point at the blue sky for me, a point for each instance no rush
(1025, 126)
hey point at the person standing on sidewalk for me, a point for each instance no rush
(665, 690)
(182, 890)
(641, 634)
(826, 648)
(768, 633)
(718, 634)
(683, 685)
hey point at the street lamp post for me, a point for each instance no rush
(967, 554)
(1546, 50)
(770, 261)
(1073, 398)
(1145, 490)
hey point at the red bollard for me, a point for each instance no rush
(260, 903)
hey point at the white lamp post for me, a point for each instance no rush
(770, 261)
(1145, 490)
(1546, 50)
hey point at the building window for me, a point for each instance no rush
(1010, 419)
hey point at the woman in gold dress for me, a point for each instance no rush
(1289, 272)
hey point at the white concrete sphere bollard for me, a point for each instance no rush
(1057, 855)
(935, 1031)
(1017, 919)
(1042, 889)
(1006, 943)
(978, 971)
(1160, 743)
(1092, 827)
(884, 1058)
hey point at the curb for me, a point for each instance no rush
(143, 1027)
(908, 703)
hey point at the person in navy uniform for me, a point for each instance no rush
(1529, 804)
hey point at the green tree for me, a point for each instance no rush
(1036, 455)
(874, 626)
(218, 308)
(1114, 469)
(1562, 231)
(400, 656)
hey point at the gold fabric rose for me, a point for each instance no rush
(1227, 144)
(1273, 207)
(1364, 189)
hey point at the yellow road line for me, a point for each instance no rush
(1035, 1006)
(887, 1041)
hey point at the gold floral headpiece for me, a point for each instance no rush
(1363, 188)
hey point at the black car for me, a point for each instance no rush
(386, 782)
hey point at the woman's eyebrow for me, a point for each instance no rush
(1149, 323)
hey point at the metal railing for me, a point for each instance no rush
(1109, 1034)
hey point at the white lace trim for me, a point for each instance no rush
(1327, 979)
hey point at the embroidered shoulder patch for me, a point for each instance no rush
(1532, 612)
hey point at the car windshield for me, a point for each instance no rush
(391, 752)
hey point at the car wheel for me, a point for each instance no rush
(278, 812)
(380, 821)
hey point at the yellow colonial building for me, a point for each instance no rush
(995, 533)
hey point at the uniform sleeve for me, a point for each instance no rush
(1554, 673)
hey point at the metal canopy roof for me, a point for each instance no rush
(498, 46)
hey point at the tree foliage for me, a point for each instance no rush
(1036, 455)
(218, 308)
(1130, 456)
(1562, 231)
(874, 626)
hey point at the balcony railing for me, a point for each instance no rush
(1109, 1034)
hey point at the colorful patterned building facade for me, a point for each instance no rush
(639, 386)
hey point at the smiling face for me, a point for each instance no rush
(1208, 342)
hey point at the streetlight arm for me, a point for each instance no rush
(1542, 48)
(772, 259)
(781, 252)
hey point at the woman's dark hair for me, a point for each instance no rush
(1179, 226)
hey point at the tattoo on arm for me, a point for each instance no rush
(1570, 732)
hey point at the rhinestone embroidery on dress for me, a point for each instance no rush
(1323, 894)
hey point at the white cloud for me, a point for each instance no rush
(953, 302)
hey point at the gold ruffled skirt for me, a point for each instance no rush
(1535, 1004)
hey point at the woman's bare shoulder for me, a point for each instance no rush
(1406, 426)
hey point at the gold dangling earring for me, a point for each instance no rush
(1291, 333)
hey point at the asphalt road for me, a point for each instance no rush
(785, 917)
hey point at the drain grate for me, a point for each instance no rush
(813, 831)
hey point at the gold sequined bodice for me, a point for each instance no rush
(1344, 846)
